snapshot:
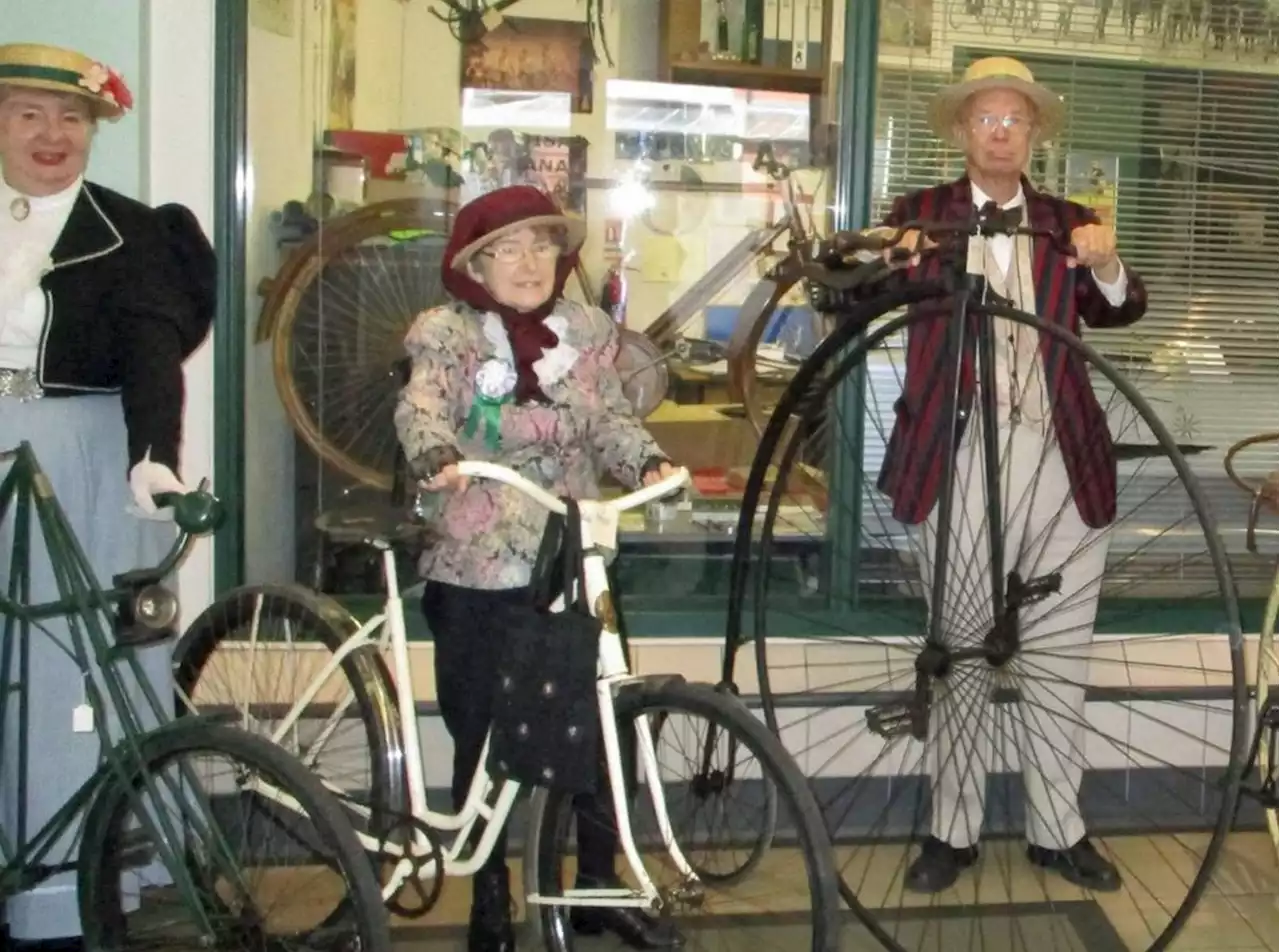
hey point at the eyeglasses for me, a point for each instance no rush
(987, 123)
(513, 253)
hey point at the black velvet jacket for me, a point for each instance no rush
(130, 296)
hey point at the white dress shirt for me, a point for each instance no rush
(25, 246)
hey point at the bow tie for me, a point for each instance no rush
(994, 220)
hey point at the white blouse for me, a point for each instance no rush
(26, 243)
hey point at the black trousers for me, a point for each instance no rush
(467, 649)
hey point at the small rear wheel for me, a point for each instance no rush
(216, 839)
(784, 897)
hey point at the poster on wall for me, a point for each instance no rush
(555, 164)
(274, 16)
(907, 23)
(531, 55)
(342, 64)
(1091, 181)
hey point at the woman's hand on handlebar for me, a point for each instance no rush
(448, 478)
(656, 474)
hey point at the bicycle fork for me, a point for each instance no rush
(614, 670)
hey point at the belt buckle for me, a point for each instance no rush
(22, 385)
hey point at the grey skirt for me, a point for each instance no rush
(79, 443)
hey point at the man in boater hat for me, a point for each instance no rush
(1058, 474)
(101, 300)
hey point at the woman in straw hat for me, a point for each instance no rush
(514, 372)
(101, 300)
(1051, 435)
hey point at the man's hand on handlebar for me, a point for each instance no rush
(1095, 248)
(906, 253)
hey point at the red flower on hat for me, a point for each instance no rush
(107, 83)
(115, 90)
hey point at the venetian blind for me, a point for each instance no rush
(1173, 131)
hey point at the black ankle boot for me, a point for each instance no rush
(490, 929)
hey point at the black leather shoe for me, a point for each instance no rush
(70, 944)
(635, 928)
(1082, 865)
(939, 865)
(490, 929)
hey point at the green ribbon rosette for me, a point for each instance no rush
(495, 384)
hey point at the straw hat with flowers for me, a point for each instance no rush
(52, 68)
(995, 72)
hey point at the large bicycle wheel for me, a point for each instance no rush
(1253, 473)
(258, 650)
(222, 840)
(1123, 714)
(787, 899)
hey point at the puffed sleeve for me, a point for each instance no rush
(427, 412)
(619, 439)
(166, 300)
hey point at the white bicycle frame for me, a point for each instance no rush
(599, 533)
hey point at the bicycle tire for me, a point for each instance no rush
(1263, 690)
(102, 906)
(855, 340)
(763, 838)
(284, 295)
(547, 837)
(363, 669)
(753, 320)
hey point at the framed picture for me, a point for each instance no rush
(342, 64)
(1092, 180)
(274, 16)
(531, 55)
(555, 164)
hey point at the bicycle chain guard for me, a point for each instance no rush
(423, 892)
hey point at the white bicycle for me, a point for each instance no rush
(345, 716)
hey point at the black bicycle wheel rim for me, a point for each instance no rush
(551, 808)
(1240, 703)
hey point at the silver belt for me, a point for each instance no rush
(20, 384)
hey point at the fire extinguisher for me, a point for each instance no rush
(613, 296)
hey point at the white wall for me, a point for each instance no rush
(177, 165)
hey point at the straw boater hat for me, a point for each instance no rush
(52, 68)
(484, 220)
(995, 72)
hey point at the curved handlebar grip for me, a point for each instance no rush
(851, 242)
(195, 513)
(509, 477)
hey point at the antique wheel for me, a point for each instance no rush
(336, 315)
(1140, 697)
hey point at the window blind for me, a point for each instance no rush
(1171, 131)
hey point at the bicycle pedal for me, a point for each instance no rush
(896, 720)
(1034, 589)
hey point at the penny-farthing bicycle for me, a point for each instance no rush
(1011, 665)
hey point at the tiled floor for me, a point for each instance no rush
(1021, 909)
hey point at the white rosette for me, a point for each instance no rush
(496, 379)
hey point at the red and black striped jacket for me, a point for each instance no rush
(912, 472)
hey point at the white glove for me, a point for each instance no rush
(148, 479)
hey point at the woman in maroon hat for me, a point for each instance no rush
(513, 372)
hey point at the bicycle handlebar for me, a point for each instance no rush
(880, 239)
(195, 513)
(633, 500)
(831, 268)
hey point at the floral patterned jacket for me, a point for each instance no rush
(487, 537)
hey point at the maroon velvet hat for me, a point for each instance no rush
(502, 211)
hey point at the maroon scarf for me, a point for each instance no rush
(529, 336)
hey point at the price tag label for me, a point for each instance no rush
(599, 525)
